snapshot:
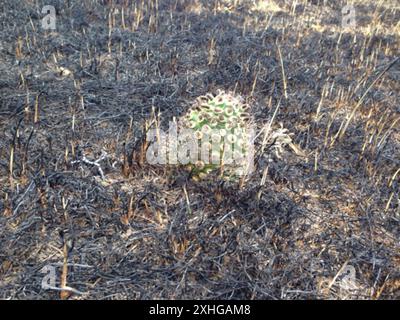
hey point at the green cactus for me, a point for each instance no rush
(220, 125)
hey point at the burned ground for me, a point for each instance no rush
(88, 89)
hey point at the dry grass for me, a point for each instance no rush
(111, 67)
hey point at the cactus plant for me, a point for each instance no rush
(220, 124)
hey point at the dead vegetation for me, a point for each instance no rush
(75, 103)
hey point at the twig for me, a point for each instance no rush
(66, 288)
(93, 163)
(283, 72)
